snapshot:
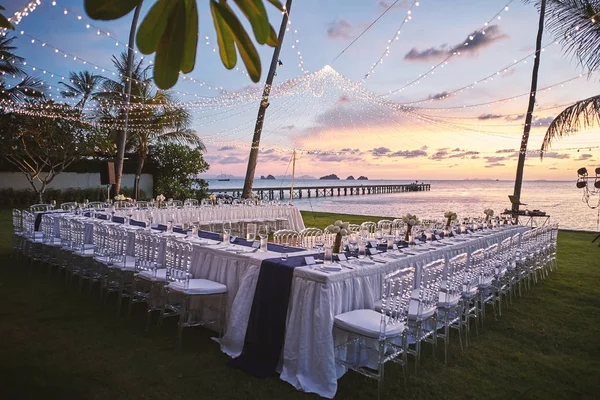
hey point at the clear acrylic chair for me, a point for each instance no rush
(40, 207)
(149, 276)
(51, 242)
(487, 290)
(191, 202)
(470, 292)
(95, 204)
(120, 267)
(310, 237)
(385, 226)
(181, 288)
(68, 206)
(33, 239)
(368, 227)
(82, 265)
(380, 333)
(354, 228)
(287, 237)
(450, 305)
(18, 238)
(422, 312)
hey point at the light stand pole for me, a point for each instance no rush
(264, 103)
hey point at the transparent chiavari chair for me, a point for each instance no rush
(450, 305)
(386, 226)
(329, 235)
(191, 202)
(150, 275)
(177, 203)
(354, 228)
(503, 281)
(470, 291)
(487, 290)
(357, 330)
(51, 241)
(310, 237)
(101, 255)
(142, 204)
(68, 206)
(33, 238)
(368, 228)
(40, 207)
(121, 266)
(65, 253)
(552, 249)
(82, 264)
(287, 237)
(523, 261)
(181, 288)
(422, 312)
(18, 238)
(96, 204)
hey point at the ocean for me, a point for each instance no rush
(468, 198)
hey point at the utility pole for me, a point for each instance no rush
(516, 199)
(264, 103)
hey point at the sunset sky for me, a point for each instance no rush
(342, 125)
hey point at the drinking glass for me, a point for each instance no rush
(319, 243)
(284, 255)
(378, 235)
(226, 231)
(251, 232)
(53, 204)
(362, 248)
(328, 255)
(263, 233)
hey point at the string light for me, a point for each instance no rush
(19, 15)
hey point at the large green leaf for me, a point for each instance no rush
(5, 23)
(153, 26)
(109, 9)
(277, 4)
(255, 11)
(242, 40)
(191, 36)
(170, 49)
(224, 38)
(272, 40)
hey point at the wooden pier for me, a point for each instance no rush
(281, 193)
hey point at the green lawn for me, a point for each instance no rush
(57, 343)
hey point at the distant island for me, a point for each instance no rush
(268, 177)
(330, 177)
(350, 178)
(362, 178)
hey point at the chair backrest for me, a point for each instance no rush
(47, 228)
(147, 246)
(40, 207)
(77, 234)
(488, 270)
(504, 259)
(369, 227)
(17, 220)
(117, 243)
(310, 237)
(64, 227)
(28, 223)
(395, 298)
(353, 228)
(287, 237)
(141, 204)
(178, 259)
(190, 202)
(96, 204)
(385, 225)
(429, 287)
(177, 203)
(455, 276)
(68, 205)
(473, 270)
(101, 247)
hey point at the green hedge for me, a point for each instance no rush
(10, 198)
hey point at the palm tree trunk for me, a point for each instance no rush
(529, 115)
(122, 138)
(138, 173)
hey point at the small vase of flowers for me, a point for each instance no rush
(410, 220)
(450, 216)
(340, 229)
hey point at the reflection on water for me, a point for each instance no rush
(561, 200)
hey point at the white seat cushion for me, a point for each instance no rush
(161, 275)
(446, 301)
(366, 323)
(84, 253)
(199, 286)
(415, 312)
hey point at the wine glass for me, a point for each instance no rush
(263, 232)
(319, 243)
(251, 232)
(226, 231)
(53, 204)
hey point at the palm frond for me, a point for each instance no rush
(186, 136)
(10, 63)
(29, 88)
(581, 115)
(576, 25)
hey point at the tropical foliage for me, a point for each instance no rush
(170, 29)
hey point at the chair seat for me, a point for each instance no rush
(54, 242)
(447, 301)
(366, 323)
(84, 253)
(127, 265)
(417, 314)
(469, 292)
(199, 286)
(161, 275)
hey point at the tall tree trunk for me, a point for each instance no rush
(138, 173)
(122, 137)
(529, 115)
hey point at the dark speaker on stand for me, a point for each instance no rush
(107, 176)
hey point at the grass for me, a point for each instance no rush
(57, 343)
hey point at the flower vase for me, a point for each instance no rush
(448, 223)
(407, 235)
(337, 244)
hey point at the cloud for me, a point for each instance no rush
(560, 156)
(489, 116)
(495, 159)
(230, 160)
(439, 155)
(474, 42)
(380, 151)
(340, 29)
(494, 165)
(408, 153)
(585, 157)
(440, 96)
(224, 148)
(515, 118)
(546, 121)
(465, 154)
(505, 151)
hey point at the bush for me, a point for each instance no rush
(10, 198)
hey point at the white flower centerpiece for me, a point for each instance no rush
(488, 214)
(450, 216)
(410, 220)
(213, 199)
(340, 229)
(159, 199)
(120, 198)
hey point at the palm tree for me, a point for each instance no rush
(153, 117)
(11, 65)
(83, 86)
(576, 24)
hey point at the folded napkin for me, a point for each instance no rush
(332, 267)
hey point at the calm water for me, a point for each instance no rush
(561, 200)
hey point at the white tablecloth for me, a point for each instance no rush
(317, 297)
